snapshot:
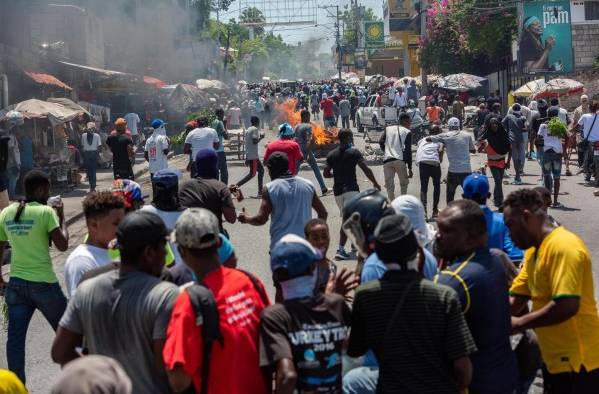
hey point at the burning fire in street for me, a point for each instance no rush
(321, 136)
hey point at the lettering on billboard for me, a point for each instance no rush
(545, 44)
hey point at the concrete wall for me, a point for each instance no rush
(585, 39)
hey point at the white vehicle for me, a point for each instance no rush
(371, 116)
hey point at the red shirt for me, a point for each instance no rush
(235, 367)
(327, 107)
(290, 148)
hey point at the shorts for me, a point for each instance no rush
(342, 199)
(552, 164)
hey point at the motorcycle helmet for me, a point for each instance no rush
(361, 214)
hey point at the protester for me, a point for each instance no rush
(156, 149)
(30, 227)
(13, 161)
(515, 125)
(480, 281)
(233, 117)
(557, 277)
(103, 212)
(396, 142)
(562, 112)
(10, 383)
(315, 105)
(284, 191)
(532, 117)
(434, 113)
(344, 112)
(328, 116)
(202, 137)
(206, 191)
(458, 145)
(90, 142)
(93, 375)
(231, 365)
(402, 313)
(288, 146)
(552, 157)
(590, 134)
(303, 136)
(121, 146)
(574, 135)
(476, 188)
(133, 123)
(252, 158)
(496, 142)
(481, 115)
(400, 100)
(428, 159)
(341, 166)
(221, 131)
(303, 312)
(458, 111)
(124, 313)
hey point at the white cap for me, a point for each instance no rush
(453, 123)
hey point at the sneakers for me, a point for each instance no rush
(516, 182)
(342, 255)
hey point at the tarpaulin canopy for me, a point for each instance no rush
(56, 113)
(47, 79)
(185, 98)
(69, 104)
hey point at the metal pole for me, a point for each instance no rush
(338, 43)
(423, 76)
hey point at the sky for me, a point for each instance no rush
(323, 32)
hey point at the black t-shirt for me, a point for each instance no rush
(311, 332)
(118, 144)
(344, 162)
(211, 194)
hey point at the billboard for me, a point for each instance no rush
(545, 43)
(374, 34)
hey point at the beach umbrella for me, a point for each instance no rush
(559, 87)
(530, 88)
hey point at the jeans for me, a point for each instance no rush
(222, 168)
(552, 167)
(391, 168)
(255, 168)
(90, 161)
(23, 298)
(311, 160)
(13, 176)
(329, 121)
(361, 380)
(498, 180)
(518, 157)
(454, 179)
(430, 171)
(345, 122)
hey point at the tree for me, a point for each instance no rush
(255, 17)
(350, 18)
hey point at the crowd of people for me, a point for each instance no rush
(156, 303)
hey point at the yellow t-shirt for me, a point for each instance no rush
(562, 268)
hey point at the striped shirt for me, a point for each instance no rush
(428, 335)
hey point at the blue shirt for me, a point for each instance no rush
(26, 150)
(499, 235)
(482, 287)
(374, 269)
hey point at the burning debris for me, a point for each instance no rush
(322, 137)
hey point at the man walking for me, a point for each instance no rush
(515, 124)
(221, 131)
(558, 276)
(288, 146)
(344, 112)
(328, 115)
(303, 136)
(458, 145)
(202, 137)
(341, 166)
(156, 149)
(133, 123)
(396, 142)
(589, 124)
(121, 146)
(90, 142)
(252, 159)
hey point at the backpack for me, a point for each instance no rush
(207, 316)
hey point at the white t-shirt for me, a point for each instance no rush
(233, 117)
(550, 141)
(428, 152)
(155, 146)
(132, 121)
(202, 138)
(82, 259)
(96, 142)
(586, 121)
(170, 219)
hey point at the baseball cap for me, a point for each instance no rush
(140, 229)
(197, 228)
(293, 254)
(286, 130)
(157, 123)
(395, 240)
(453, 123)
(476, 186)
(167, 178)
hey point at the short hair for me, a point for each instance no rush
(345, 135)
(472, 216)
(543, 191)
(219, 112)
(313, 223)
(496, 107)
(403, 117)
(255, 121)
(33, 180)
(554, 101)
(202, 121)
(524, 199)
(594, 107)
(305, 115)
(96, 204)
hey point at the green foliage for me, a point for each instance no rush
(557, 128)
(253, 15)
(178, 139)
(207, 113)
(350, 18)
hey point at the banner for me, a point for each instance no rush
(545, 43)
(375, 34)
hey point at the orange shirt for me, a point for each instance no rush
(433, 113)
(235, 367)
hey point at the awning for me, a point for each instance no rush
(47, 79)
(157, 83)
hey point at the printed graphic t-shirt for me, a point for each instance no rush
(29, 240)
(311, 332)
(234, 367)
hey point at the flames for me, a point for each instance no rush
(288, 113)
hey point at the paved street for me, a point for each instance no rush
(251, 243)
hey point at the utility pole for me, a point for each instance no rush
(338, 40)
(423, 76)
(226, 61)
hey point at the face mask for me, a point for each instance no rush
(301, 287)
